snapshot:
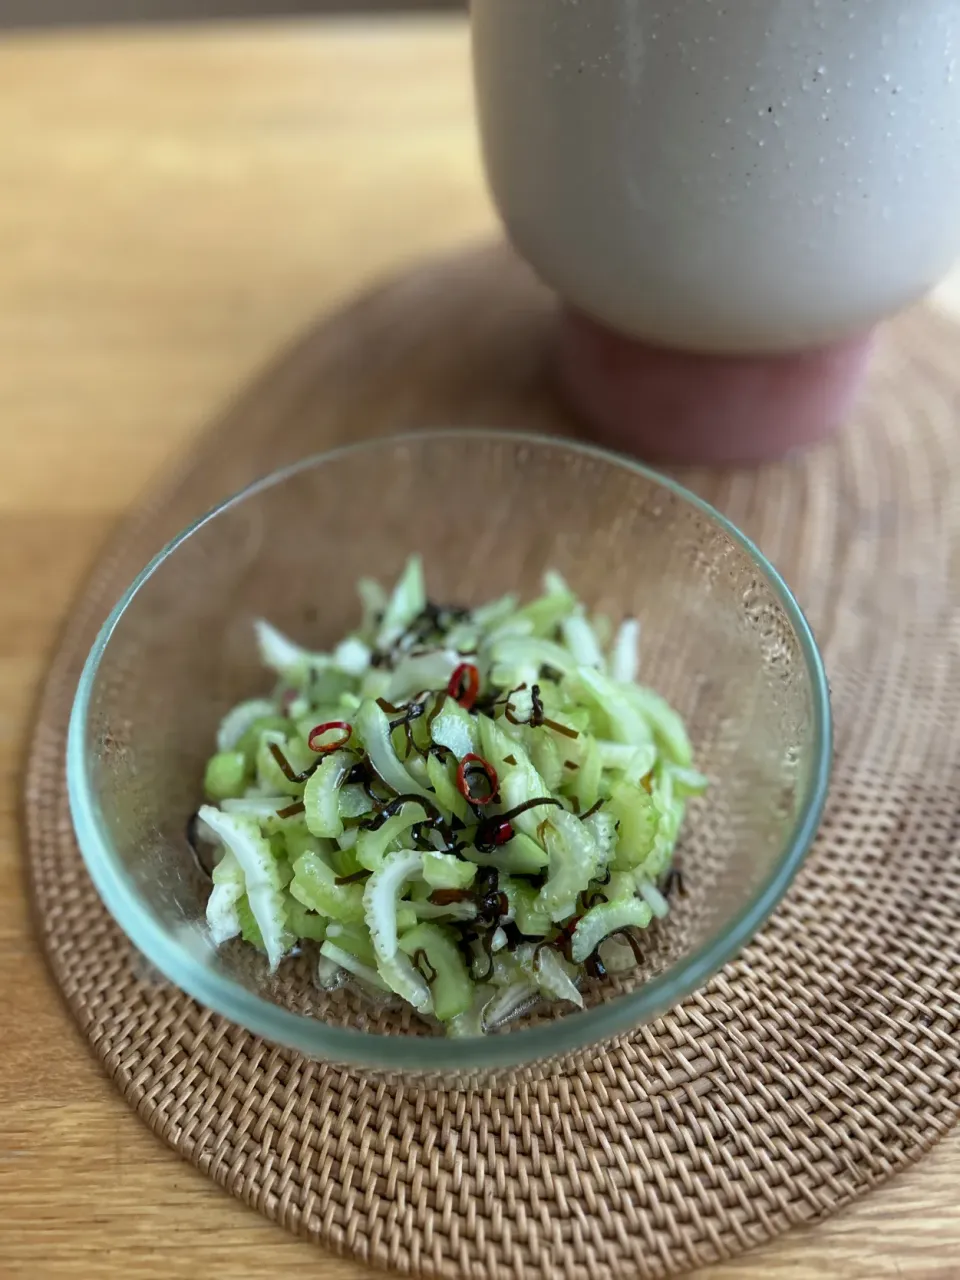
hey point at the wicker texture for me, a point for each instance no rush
(812, 1068)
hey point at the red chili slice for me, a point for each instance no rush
(464, 685)
(503, 833)
(472, 765)
(322, 748)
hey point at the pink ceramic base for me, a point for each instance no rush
(676, 406)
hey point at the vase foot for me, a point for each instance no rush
(679, 406)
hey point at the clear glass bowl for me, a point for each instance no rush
(723, 639)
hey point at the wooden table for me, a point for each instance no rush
(173, 207)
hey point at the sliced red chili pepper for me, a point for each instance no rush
(503, 833)
(464, 685)
(492, 833)
(471, 765)
(341, 740)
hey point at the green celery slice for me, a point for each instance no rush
(373, 845)
(452, 987)
(444, 871)
(600, 921)
(373, 729)
(321, 796)
(261, 875)
(381, 896)
(314, 884)
(225, 776)
(348, 961)
(442, 776)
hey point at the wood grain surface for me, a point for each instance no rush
(174, 209)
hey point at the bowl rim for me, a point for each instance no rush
(184, 965)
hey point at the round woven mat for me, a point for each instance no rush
(811, 1069)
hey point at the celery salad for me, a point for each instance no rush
(471, 810)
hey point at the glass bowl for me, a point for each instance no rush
(723, 640)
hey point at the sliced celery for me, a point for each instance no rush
(604, 919)
(321, 794)
(451, 985)
(372, 845)
(591, 775)
(314, 884)
(444, 871)
(225, 776)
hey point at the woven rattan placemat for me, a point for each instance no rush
(805, 1073)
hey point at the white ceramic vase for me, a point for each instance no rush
(734, 177)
